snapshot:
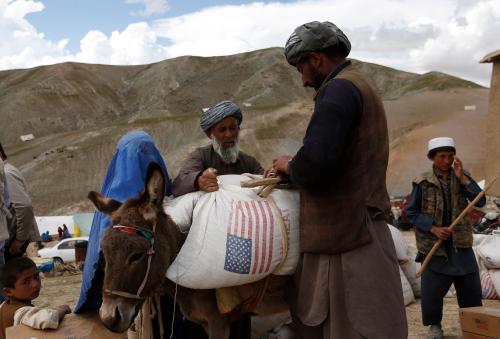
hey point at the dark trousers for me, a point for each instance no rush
(435, 286)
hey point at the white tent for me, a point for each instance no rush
(53, 222)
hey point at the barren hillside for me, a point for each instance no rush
(77, 112)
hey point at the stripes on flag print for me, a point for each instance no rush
(250, 233)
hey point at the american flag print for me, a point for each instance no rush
(250, 233)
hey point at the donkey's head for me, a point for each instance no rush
(132, 270)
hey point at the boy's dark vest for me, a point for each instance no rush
(433, 206)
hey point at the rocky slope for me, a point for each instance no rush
(77, 112)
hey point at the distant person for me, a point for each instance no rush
(65, 232)
(22, 225)
(22, 284)
(46, 236)
(60, 232)
(347, 283)
(221, 123)
(438, 197)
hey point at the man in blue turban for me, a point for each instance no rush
(221, 123)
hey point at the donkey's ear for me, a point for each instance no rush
(102, 203)
(155, 184)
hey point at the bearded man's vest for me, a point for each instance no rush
(335, 219)
(432, 205)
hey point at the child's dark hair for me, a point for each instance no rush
(12, 268)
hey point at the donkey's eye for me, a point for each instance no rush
(135, 257)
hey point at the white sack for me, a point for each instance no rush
(236, 237)
(180, 209)
(410, 269)
(489, 251)
(407, 291)
(488, 288)
(477, 239)
(399, 243)
(495, 279)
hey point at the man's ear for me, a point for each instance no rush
(209, 133)
(8, 291)
(315, 59)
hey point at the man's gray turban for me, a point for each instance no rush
(222, 110)
(314, 36)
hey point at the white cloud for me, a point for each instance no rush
(21, 45)
(462, 42)
(151, 7)
(447, 35)
(135, 45)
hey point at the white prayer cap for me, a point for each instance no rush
(440, 142)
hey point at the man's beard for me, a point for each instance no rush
(318, 79)
(229, 155)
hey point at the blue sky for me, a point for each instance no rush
(72, 19)
(450, 36)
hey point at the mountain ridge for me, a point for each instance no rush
(77, 113)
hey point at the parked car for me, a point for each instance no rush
(63, 251)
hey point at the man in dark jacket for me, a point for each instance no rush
(347, 283)
(437, 198)
(221, 123)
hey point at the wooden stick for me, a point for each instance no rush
(260, 182)
(453, 224)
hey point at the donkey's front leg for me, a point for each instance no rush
(200, 306)
(218, 327)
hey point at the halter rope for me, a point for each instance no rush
(148, 235)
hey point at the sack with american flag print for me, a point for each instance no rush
(236, 237)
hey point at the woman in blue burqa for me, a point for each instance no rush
(124, 178)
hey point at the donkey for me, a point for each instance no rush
(138, 250)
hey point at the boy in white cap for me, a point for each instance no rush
(438, 197)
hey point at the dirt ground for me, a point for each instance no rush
(65, 289)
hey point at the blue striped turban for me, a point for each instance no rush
(222, 110)
(314, 36)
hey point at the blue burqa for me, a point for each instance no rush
(125, 178)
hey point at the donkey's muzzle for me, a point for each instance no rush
(118, 313)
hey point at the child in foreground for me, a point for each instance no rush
(21, 284)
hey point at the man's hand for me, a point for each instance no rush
(270, 173)
(459, 171)
(207, 181)
(442, 233)
(280, 164)
(62, 310)
(15, 246)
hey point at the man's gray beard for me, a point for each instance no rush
(229, 155)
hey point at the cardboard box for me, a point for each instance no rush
(467, 335)
(484, 321)
(73, 326)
